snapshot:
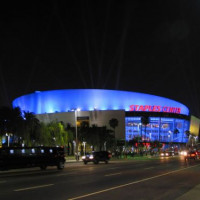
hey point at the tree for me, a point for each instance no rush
(59, 134)
(11, 121)
(114, 123)
(105, 137)
(32, 129)
(71, 135)
(96, 136)
(55, 129)
(136, 142)
(175, 132)
(92, 137)
(187, 133)
(133, 142)
(145, 121)
(156, 145)
(82, 131)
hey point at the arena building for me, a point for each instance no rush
(168, 119)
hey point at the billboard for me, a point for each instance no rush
(194, 125)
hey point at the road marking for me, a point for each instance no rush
(113, 174)
(149, 168)
(34, 187)
(113, 168)
(66, 174)
(131, 183)
(19, 173)
(3, 181)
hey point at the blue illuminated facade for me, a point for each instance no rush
(165, 115)
(163, 129)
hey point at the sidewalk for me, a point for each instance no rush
(193, 194)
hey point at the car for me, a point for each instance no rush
(171, 153)
(183, 152)
(198, 153)
(163, 154)
(166, 153)
(96, 157)
(191, 154)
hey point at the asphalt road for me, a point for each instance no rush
(168, 178)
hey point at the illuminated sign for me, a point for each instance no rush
(155, 108)
(194, 125)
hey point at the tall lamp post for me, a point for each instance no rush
(8, 135)
(76, 132)
(84, 143)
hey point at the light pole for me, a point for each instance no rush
(84, 147)
(75, 114)
(8, 135)
(105, 146)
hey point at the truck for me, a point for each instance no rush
(25, 157)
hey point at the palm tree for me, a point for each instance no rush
(175, 132)
(114, 123)
(135, 142)
(71, 135)
(145, 120)
(187, 133)
(11, 121)
(31, 126)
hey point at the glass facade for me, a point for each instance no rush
(162, 129)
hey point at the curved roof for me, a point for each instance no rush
(90, 99)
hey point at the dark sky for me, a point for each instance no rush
(142, 46)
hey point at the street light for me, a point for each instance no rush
(150, 136)
(78, 109)
(8, 135)
(105, 146)
(84, 147)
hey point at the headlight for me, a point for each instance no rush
(91, 157)
(162, 154)
(185, 153)
(83, 157)
(166, 154)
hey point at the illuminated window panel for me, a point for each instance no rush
(164, 132)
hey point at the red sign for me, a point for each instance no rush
(148, 108)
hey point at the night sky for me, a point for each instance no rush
(142, 46)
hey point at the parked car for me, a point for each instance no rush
(96, 157)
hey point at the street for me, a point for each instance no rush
(166, 178)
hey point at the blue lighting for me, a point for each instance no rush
(88, 99)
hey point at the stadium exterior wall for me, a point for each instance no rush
(99, 106)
